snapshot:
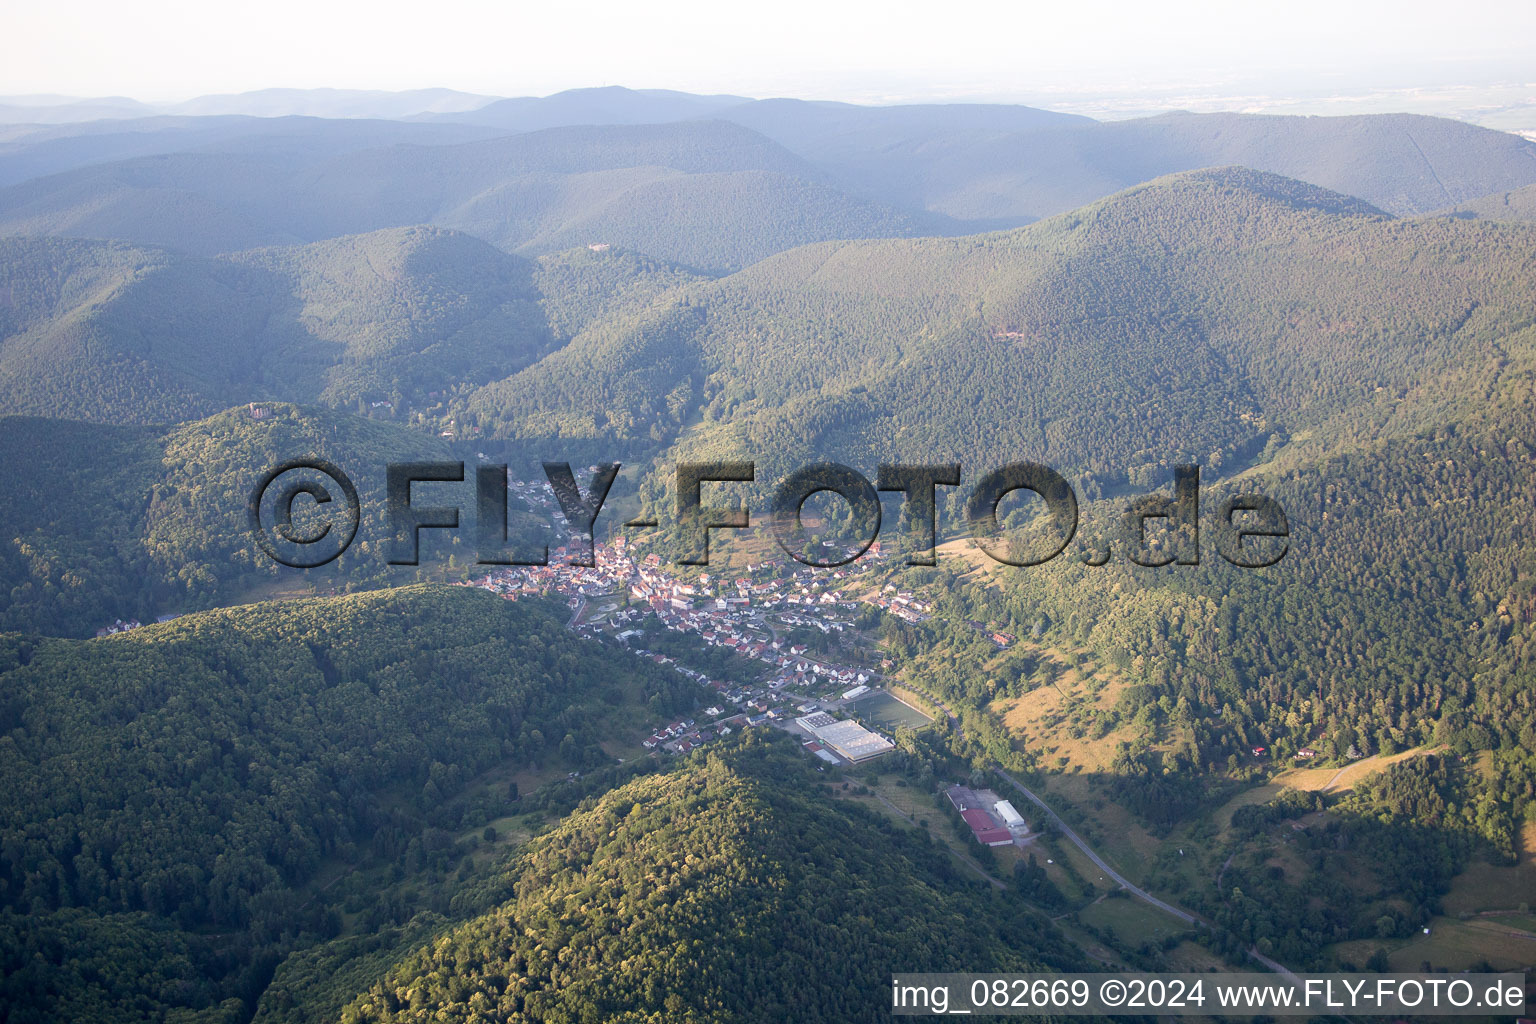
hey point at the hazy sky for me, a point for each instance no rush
(161, 50)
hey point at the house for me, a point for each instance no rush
(1305, 754)
(1258, 751)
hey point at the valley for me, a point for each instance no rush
(648, 791)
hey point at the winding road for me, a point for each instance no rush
(1125, 883)
(1098, 861)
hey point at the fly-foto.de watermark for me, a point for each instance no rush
(1247, 530)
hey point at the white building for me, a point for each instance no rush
(1010, 817)
(849, 739)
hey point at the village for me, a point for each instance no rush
(756, 614)
(618, 599)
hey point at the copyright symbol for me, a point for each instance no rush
(325, 528)
(1112, 992)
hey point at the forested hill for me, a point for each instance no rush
(395, 314)
(386, 324)
(106, 523)
(1518, 206)
(583, 287)
(1222, 317)
(1200, 317)
(696, 895)
(1374, 375)
(171, 791)
(108, 332)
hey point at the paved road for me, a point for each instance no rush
(1278, 968)
(1124, 883)
(1098, 861)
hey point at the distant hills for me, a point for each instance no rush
(713, 182)
(973, 167)
(32, 151)
(49, 109)
(369, 103)
(709, 194)
(260, 103)
(607, 105)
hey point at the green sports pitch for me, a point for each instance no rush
(882, 711)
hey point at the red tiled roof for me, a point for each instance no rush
(978, 819)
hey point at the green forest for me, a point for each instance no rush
(188, 781)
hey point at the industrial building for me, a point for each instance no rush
(993, 821)
(1006, 812)
(987, 831)
(850, 739)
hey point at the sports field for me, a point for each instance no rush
(879, 710)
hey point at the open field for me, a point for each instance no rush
(1326, 780)
(1131, 921)
(1050, 857)
(1506, 943)
(911, 804)
(913, 698)
(1096, 881)
(1191, 956)
(1459, 945)
(907, 804)
(1482, 886)
(1112, 831)
(1089, 943)
(282, 588)
(1051, 718)
(966, 550)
